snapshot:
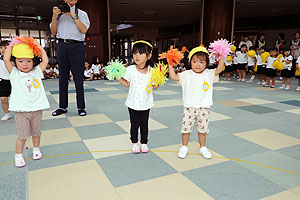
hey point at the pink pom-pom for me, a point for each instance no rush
(221, 47)
(15, 41)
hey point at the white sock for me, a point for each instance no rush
(35, 149)
(19, 155)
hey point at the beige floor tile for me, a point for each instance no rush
(291, 194)
(234, 103)
(225, 82)
(219, 88)
(167, 103)
(165, 92)
(266, 89)
(107, 89)
(255, 101)
(76, 181)
(118, 96)
(118, 144)
(269, 139)
(153, 125)
(175, 84)
(71, 97)
(112, 83)
(47, 114)
(170, 187)
(191, 161)
(89, 120)
(47, 92)
(217, 117)
(72, 85)
(8, 143)
(294, 111)
(57, 136)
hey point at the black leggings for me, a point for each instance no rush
(139, 119)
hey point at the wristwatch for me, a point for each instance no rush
(76, 17)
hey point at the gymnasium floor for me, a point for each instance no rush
(254, 138)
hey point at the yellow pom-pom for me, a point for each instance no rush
(275, 64)
(251, 53)
(279, 57)
(233, 48)
(229, 59)
(255, 68)
(158, 74)
(264, 56)
(280, 66)
(297, 73)
(223, 68)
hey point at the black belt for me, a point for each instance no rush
(69, 41)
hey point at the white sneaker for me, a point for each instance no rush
(264, 83)
(144, 148)
(258, 83)
(252, 77)
(204, 152)
(287, 88)
(36, 155)
(6, 117)
(243, 80)
(19, 161)
(298, 88)
(239, 79)
(282, 87)
(135, 148)
(183, 152)
(250, 81)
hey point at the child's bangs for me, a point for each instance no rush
(141, 48)
(201, 56)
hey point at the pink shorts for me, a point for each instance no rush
(28, 124)
(200, 115)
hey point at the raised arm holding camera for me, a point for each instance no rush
(70, 24)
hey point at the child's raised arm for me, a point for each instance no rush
(45, 60)
(6, 58)
(124, 82)
(220, 66)
(173, 75)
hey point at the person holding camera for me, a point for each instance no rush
(70, 25)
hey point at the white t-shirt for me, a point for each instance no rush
(28, 92)
(248, 43)
(140, 95)
(285, 65)
(47, 71)
(298, 61)
(258, 60)
(242, 58)
(235, 60)
(55, 70)
(197, 89)
(227, 63)
(3, 71)
(96, 68)
(250, 61)
(88, 73)
(270, 62)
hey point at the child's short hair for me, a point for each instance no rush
(252, 48)
(263, 47)
(141, 48)
(273, 49)
(202, 56)
(243, 45)
(4, 43)
(36, 60)
(286, 49)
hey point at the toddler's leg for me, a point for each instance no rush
(36, 123)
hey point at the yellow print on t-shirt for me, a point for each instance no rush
(205, 86)
(35, 83)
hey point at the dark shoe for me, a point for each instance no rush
(82, 112)
(59, 112)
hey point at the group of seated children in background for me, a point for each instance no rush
(96, 71)
(241, 62)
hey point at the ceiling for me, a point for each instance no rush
(158, 12)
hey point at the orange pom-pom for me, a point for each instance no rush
(31, 43)
(173, 56)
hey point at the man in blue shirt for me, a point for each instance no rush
(70, 29)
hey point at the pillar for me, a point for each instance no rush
(98, 35)
(217, 20)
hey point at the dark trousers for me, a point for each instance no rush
(139, 119)
(71, 57)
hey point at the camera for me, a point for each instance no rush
(63, 6)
